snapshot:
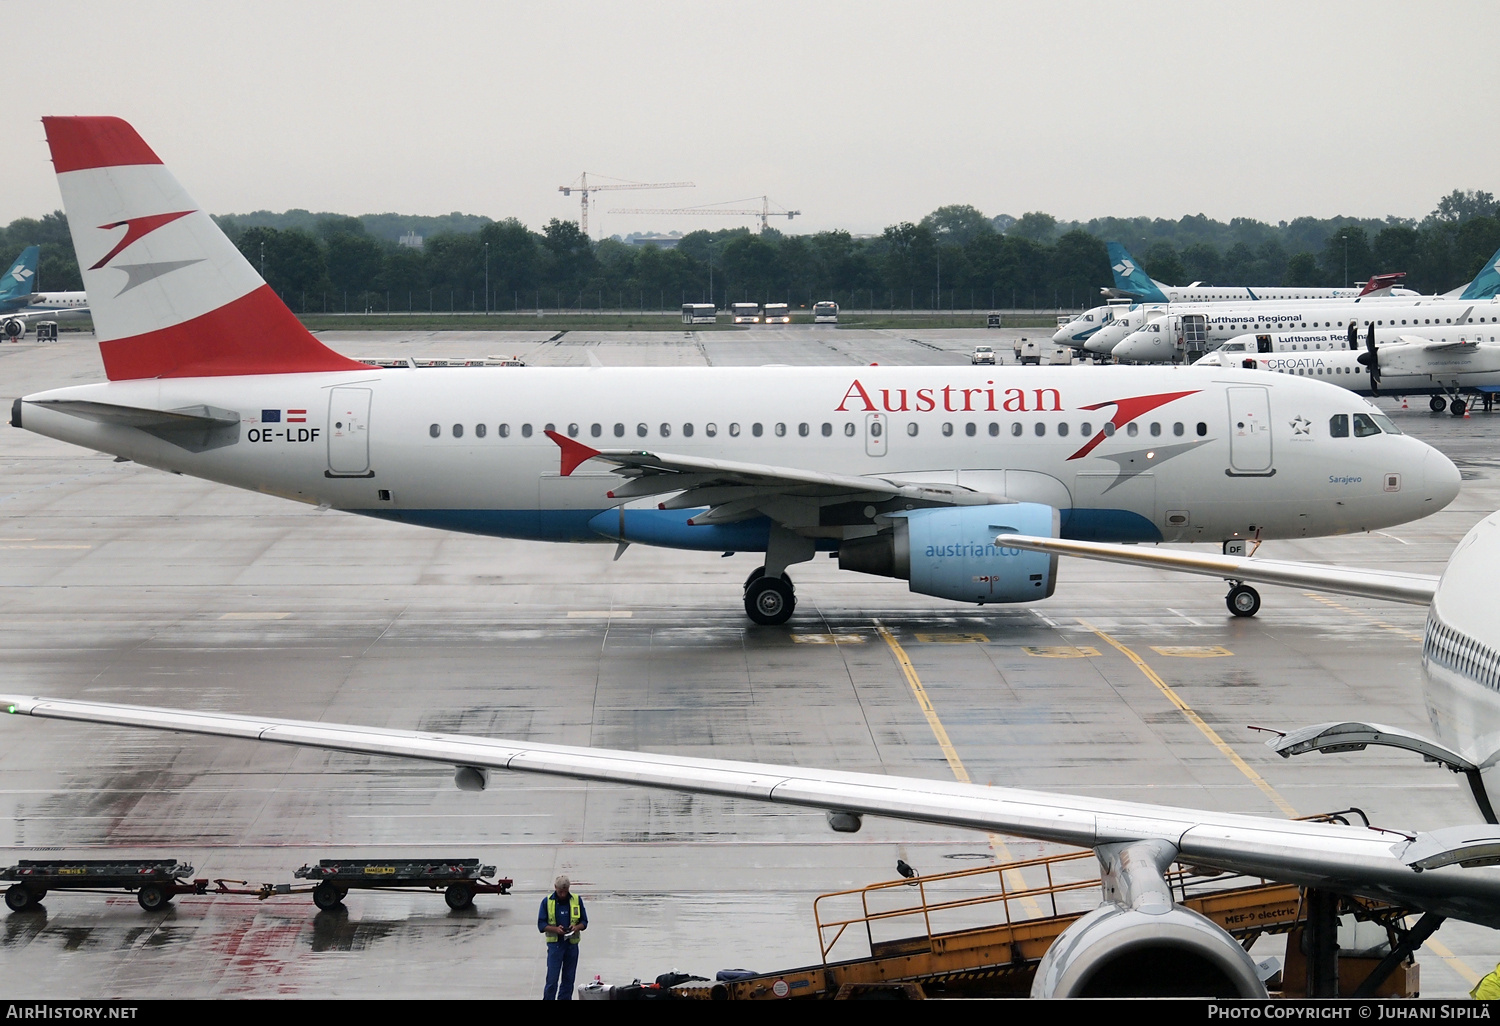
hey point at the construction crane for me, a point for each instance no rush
(583, 186)
(765, 213)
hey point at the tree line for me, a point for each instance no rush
(955, 257)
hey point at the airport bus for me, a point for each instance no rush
(699, 313)
(825, 312)
(777, 313)
(745, 313)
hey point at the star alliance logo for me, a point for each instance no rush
(1126, 268)
(1301, 426)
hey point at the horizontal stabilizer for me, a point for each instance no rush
(194, 428)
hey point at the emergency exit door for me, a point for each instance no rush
(349, 432)
(876, 425)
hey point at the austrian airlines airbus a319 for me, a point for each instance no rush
(903, 472)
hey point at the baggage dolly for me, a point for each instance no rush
(460, 879)
(155, 881)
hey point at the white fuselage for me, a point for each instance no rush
(1236, 453)
(1173, 334)
(1461, 654)
(1409, 365)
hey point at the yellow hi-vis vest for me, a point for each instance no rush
(575, 911)
(1487, 989)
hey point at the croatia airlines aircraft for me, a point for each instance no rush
(1139, 937)
(1446, 364)
(19, 305)
(904, 472)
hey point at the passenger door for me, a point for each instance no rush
(877, 426)
(349, 432)
(1250, 431)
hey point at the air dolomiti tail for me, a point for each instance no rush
(904, 472)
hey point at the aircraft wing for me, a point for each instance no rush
(1377, 863)
(735, 490)
(1416, 589)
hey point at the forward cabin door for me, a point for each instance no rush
(349, 432)
(1250, 431)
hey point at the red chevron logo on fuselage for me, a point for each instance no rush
(1126, 410)
(136, 228)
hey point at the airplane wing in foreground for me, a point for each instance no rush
(1434, 871)
(1415, 589)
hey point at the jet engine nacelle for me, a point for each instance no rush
(1116, 951)
(950, 552)
(13, 327)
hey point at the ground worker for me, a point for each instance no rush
(561, 918)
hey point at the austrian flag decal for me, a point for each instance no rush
(292, 416)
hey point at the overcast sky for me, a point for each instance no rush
(858, 114)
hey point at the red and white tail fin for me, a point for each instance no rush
(170, 295)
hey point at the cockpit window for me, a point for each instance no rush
(1386, 424)
(1364, 426)
(1338, 425)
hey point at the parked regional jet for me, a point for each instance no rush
(905, 472)
(1446, 364)
(1181, 333)
(1134, 287)
(1173, 950)
(19, 305)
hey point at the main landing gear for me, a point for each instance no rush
(769, 601)
(1455, 406)
(1242, 599)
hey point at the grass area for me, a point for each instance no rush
(553, 321)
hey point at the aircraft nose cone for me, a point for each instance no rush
(1440, 477)
(1062, 335)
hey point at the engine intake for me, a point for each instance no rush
(950, 552)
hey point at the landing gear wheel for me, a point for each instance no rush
(1437, 404)
(769, 601)
(152, 897)
(19, 899)
(328, 896)
(755, 575)
(1457, 407)
(459, 896)
(1243, 600)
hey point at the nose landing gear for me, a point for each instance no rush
(1242, 599)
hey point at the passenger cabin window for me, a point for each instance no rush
(436, 431)
(1016, 429)
(687, 431)
(641, 430)
(780, 430)
(947, 429)
(734, 430)
(1364, 427)
(711, 429)
(1062, 429)
(596, 430)
(849, 429)
(994, 430)
(803, 430)
(1041, 429)
(504, 430)
(619, 430)
(911, 429)
(1202, 429)
(666, 430)
(1338, 425)
(572, 430)
(480, 430)
(525, 430)
(757, 430)
(1132, 429)
(827, 430)
(458, 430)
(969, 429)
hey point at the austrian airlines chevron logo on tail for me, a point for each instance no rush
(1126, 410)
(136, 228)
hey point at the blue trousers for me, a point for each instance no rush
(562, 960)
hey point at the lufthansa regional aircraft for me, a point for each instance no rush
(1172, 949)
(1139, 288)
(19, 305)
(903, 472)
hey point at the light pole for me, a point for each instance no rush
(263, 260)
(1346, 260)
(486, 279)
